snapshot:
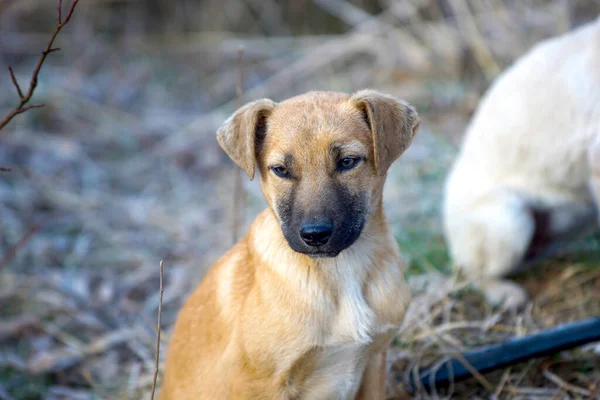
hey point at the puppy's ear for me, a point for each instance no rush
(239, 134)
(393, 123)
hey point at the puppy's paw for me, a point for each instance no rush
(505, 294)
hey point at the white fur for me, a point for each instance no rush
(528, 143)
(594, 160)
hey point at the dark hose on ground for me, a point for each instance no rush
(513, 351)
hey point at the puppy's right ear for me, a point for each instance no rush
(238, 135)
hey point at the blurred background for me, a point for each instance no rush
(121, 169)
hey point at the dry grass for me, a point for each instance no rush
(121, 170)
(447, 318)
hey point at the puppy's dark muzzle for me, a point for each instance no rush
(316, 234)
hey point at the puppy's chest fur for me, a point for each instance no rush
(360, 319)
(337, 373)
(341, 354)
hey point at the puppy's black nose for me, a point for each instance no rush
(316, 234)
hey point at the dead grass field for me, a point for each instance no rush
(121, 169)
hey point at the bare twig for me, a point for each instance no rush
(343, 10)
(14, 80)
(476, 374)
(59, 11)
(270, 15)
(567, 387)
(67, 356)
(24, 98)
(22, 110)
(502, 383)
(15, 326)
(533, 392)
(468, 28)
(158, 332)
(238, 188)
(12, 251)
(239, 89)
(5, 169)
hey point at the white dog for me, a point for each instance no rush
(528, 175)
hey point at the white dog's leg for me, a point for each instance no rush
(488, 241)
(594, 162)
(507, 233)
(503, 292)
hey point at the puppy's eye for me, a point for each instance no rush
(348, 163)
(280, 171)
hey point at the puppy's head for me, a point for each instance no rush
(322, 159)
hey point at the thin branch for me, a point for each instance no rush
(70, 12)
(12, 251)
(24, 98)
(502, 383)
(476, 374)
(22, 110)
(239, 89)
(59, 12)
(5, 169)
(61, 358)
(470, 32)
(566, 386)
(158, 332)
(344, 11)
(14, 80)
(238, 187)
(17, 325)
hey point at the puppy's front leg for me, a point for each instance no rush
(372, 386)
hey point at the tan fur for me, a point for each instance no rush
(267, 322)
(527, 148)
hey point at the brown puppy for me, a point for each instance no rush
(304, 306)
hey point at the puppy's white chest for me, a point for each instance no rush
(354, 333)
(338, 373)
(340, 367)
(355, 321)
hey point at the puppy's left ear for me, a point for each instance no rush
(393, 123)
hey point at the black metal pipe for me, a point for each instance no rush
(513, 351)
